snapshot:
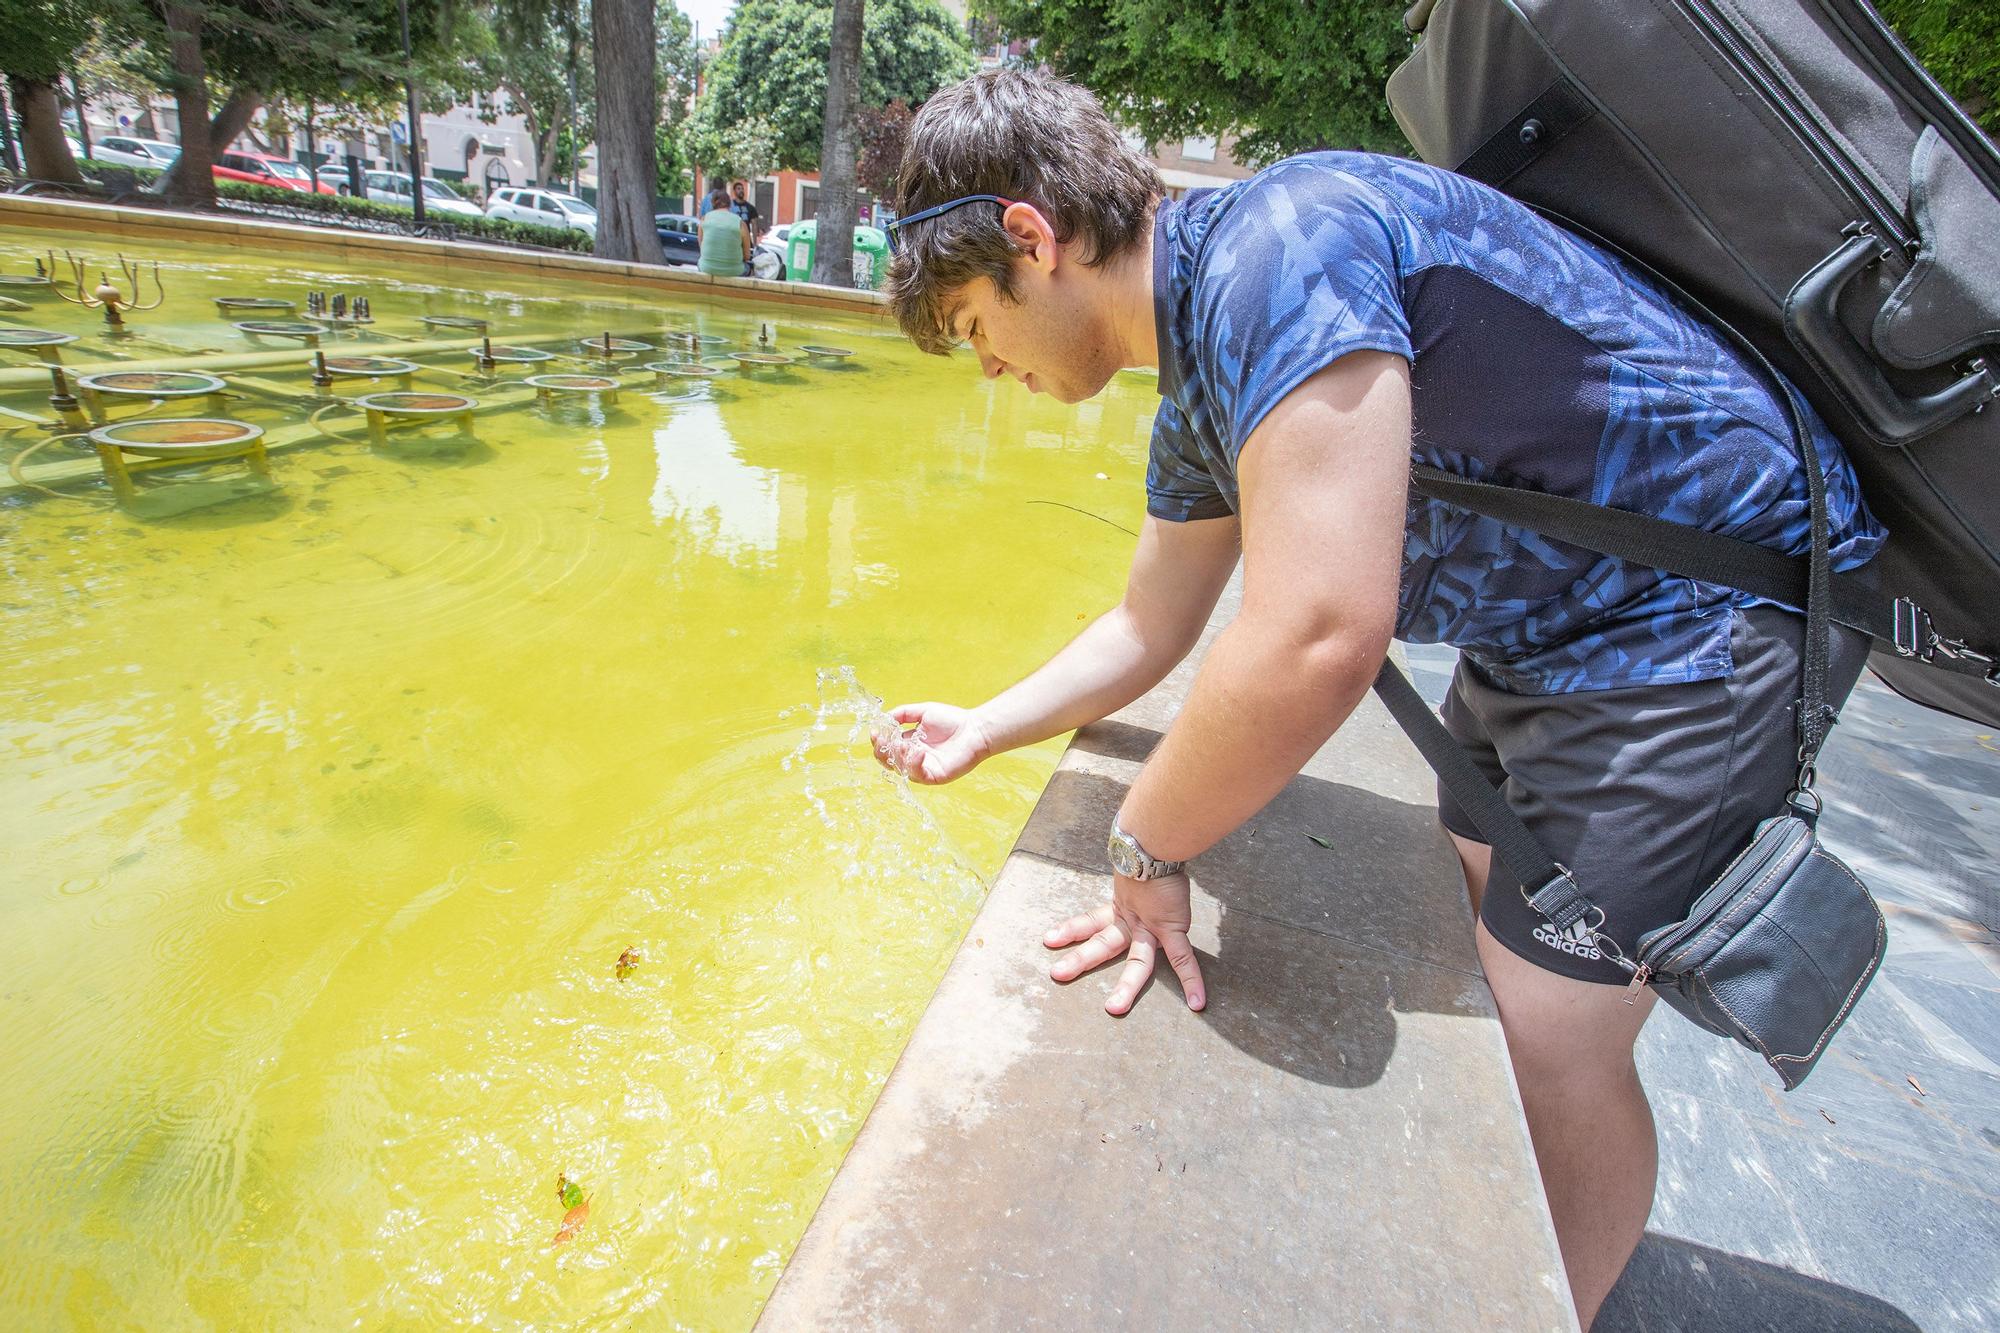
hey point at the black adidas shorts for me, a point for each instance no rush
(1646, 792)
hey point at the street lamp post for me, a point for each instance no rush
(416, 144)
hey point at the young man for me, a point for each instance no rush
(1315, 329)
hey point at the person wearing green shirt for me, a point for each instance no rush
(725, 241)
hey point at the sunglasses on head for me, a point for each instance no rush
(924, 214)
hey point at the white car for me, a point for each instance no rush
(768, 259)
(550, 208)
(129, 152)
(390, 187)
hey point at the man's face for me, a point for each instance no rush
(1051, 338)
(737, 189)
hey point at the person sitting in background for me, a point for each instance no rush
(725, 241)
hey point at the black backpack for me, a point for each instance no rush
(1791, 169)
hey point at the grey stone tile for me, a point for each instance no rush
(1337, 1116)
(1917, 1242)
(1675, 1286)
(1716, 1187)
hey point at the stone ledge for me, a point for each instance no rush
(146, 223)
(1336, 1142)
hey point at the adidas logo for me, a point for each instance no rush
(1576, 940)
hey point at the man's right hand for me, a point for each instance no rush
(948, 743)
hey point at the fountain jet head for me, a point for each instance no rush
(321, 379)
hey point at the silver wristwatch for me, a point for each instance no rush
(1129, 859)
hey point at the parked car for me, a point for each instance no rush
(265, 169)
(389, 187)
(767, 261)
(679, 237)
(550, 208)
(129, 152)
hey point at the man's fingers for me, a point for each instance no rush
(1181, 956)
(1132, 978)
(908, 713)
(1079, 927)
(1105, 945)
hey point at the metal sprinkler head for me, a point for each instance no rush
(486, 362)
(321, 379)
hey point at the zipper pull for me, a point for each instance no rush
(1640, 977)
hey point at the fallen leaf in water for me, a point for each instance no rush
(1918, 1086)
(572, 1223)
(1324, 842)
(1829, 1119)
(628, 962)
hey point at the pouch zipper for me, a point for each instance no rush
(1722, 31)
(1698, 917)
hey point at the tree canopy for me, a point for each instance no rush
(1284, 76)
(1959, 42)
(772, 63)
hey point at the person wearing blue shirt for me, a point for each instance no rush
(1316, 329)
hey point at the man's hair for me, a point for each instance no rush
(1026, 135)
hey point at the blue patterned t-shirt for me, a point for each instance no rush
(1536, 360)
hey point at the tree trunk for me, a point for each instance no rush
(833, 258)
(628, 101)
(215, 137)
(189, 180)
(44, 151)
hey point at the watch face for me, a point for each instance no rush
(1124, 859)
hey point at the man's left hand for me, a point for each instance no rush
(1143, 919)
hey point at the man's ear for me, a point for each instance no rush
(1033, 233)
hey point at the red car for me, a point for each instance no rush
(264, 169)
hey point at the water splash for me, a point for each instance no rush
(855, 798)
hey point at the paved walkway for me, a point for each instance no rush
(1870, 1198)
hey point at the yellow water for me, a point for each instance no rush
(328, 812)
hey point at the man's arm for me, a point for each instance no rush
(1178, 572)
(1324, 481)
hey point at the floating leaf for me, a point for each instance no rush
(1321, 841)
(572, 1195)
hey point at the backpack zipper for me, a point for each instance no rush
(1727, 37)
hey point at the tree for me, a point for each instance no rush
(833, 256)
(1959, 42)
(772, 63)
(679, 63)
(628, 104)
(884, 132)
(39, 40)
(1285, 76)
(748, 149)
(529, 53)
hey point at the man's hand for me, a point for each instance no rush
(948, 743)
(1143, 918)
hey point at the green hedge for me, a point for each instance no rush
(345, 206)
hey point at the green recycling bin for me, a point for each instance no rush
(871, 254)
(800, 243)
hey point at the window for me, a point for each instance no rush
(120, 145)
(1198, 149)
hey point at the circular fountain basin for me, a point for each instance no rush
(453, 322)
(692, 370)
(764, 360)
(34, 338)
(573, 383)
(229, 303)
(280, 328)
(616, 347)
(821, 352)
(24, 280)
(521, 355)
(369, 367)
(416, 404)
(152, 383)
(188, 439)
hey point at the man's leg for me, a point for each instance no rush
(1571, 1046)
(1475, 859)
